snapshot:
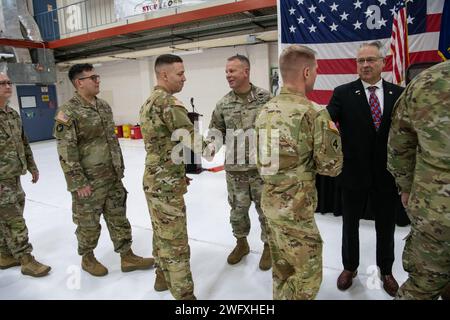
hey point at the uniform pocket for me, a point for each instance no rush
(10, 193)
(3, 134)
(166, 207)
(292, 203)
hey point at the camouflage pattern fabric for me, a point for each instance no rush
(16, 158)
(233, 113)
(309, 143)
(13, 229)
(419, 159)
(110, 200)
(15, 152)
(90, 154)
(237, 115)
(170, 243)
(164, 185)
(243, 188)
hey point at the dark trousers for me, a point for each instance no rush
(355, 203)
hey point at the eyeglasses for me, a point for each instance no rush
(5, 83)
(369, 60)
(94, 77)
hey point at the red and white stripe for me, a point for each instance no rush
(337, 63)
(399, 47)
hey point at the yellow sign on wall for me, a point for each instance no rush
(45, 98)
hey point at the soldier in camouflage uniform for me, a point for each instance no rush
(165, 180)
(309, 143)
(419, 159)
(15, 159)
(91, 159)
(234, 118)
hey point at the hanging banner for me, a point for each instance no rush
(127, 8)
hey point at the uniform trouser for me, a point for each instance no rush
(109, 200)
(170, 243)
(13, 230)
(426, 256)
(382, 204)
(243, 188)
(294, 239)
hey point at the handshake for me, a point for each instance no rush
(209, 152)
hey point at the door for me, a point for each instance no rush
(46, 17)
(37, 105)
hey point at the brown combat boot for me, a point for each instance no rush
(131, 262)
(160, 281)
(8, 261)
(266, 260)
(90, 264)
(241, 250)
(31, 267)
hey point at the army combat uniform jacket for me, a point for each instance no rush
(160, 116)
(89, 151)
(309, 141)
(15, 152)
(233, 114)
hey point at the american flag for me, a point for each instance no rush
(399, 44)
(336, 28)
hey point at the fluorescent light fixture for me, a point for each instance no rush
(185, 52)
(6, 55)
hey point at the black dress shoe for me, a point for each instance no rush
(345, 279)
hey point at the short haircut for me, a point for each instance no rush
(293, 57)
(243, 59)
(376, 44)
(78, 69)
(166, 59)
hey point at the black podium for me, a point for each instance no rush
(193, 162)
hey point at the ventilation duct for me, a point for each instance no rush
(27, 65)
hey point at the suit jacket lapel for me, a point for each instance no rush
(388, 102)
(361, 102)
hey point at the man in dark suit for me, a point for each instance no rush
(363, 110)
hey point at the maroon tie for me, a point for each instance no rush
(375, 107)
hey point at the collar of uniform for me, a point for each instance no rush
(84, 102)
(160, 88)
(6, 109)
(252, 94)
(285, 90)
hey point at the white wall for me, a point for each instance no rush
(127, 84)
(123, 85)
(273, 55)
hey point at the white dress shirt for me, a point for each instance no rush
(379, 92)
